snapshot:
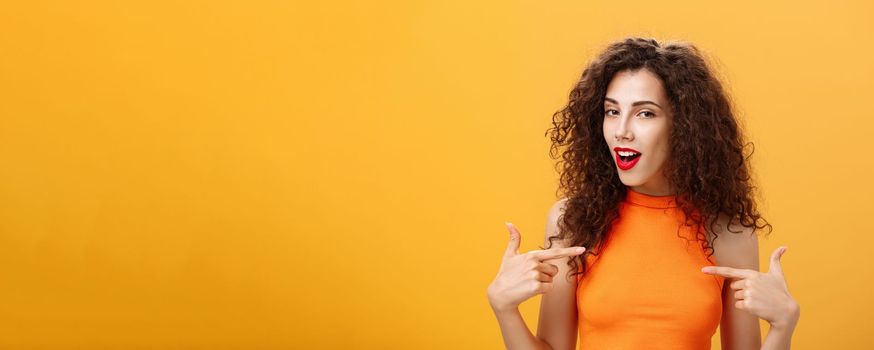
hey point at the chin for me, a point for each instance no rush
(630, 183)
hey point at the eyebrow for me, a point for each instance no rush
(637, 103)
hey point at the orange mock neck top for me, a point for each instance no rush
(645, 289)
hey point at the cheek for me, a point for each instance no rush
(663, 151)
(661, 147)
(608, 136)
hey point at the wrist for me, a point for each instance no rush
(788, 322)
(502, 308)
(506, 313)
(498, 304)
(499, 307)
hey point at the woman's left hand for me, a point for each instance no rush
(765, 295)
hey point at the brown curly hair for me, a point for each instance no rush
(706, 167)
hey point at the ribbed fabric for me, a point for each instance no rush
(646, 290)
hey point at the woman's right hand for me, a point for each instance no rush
(522, 276)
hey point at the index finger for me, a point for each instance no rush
(556, 253)
(728, 272)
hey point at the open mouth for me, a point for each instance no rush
(626, 158)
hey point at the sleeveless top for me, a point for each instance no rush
(645, 289)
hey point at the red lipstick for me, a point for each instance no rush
(626, 162)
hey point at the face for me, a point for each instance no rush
(637, 117)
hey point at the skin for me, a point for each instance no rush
(644, 126)
(637, 115)
(763, 295)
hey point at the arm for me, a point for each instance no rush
(749, 294)
(780, 336)
(554, 308)
(738, 329)
(515, 333)
(558, 309)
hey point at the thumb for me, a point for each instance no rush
(775, 266)
(515, 239)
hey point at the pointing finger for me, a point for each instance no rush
(728, 272)
(557, 253)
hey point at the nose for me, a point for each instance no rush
(622, 129)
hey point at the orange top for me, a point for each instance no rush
(645, 289)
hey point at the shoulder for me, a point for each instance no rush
(557, 209)
(552, 218)
(735, 245)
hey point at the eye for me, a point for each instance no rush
(651, 114)
(607, 112)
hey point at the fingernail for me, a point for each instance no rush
(580, 249)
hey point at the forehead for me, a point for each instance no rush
(628, 86)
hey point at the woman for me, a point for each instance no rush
(657, 191)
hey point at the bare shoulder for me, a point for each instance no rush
(557, 325)
(735, 245)
(555, 213)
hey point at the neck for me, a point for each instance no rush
(651, 190)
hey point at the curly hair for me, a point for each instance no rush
(707, 166)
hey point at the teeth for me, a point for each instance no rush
(626, 154)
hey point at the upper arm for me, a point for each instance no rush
(739, 329)
(557, 324)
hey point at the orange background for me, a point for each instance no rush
(271, 174)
